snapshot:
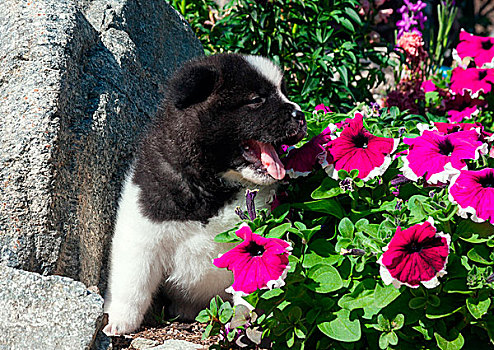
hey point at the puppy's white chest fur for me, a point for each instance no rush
(177, 253)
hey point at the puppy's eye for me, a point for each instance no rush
(256, 100)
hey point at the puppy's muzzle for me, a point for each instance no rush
(301, 131)
(299, 116)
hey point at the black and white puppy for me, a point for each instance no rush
(217, 133)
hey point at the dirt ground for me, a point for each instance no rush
(191, 332)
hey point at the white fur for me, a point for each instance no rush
(145, 254)
(272, 73)
(267, 68)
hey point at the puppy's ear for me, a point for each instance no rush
(194, 85)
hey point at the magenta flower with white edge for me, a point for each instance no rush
(473, 191)
(301, 161)
(439, 157)
(357, 148)
(256, 263)
(467, 113)
(478, 47)
(449, 128)
(473, 80)
(416, 255)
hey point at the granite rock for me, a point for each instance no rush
(174, 344)
(46, 312)
(79, 82)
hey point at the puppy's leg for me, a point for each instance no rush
(136, 269)
(194, 279)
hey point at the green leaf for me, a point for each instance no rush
(425, 331)
(348, 25)
(207, 331)
(433, 300)
(417, 302)
(343, 243)
(344, 75)
(279, 231)
(384, 295)
(290, 339)
(341, 328)
(227, 237)
(353, 15)
(479, 306)
(383, 323)
(213, 306)
(299, 333)
(346, 228)
(456, 285)
(326, 206)
(326, 279)
(329, 188)
(293, 314)
(363, 226)
(398, 322)
(417, 206)
(444, 344)
(449, 305)
(343, 174)
(272, 293)
(203, 317)
(475, 232)
(480, 254)
(361, 297)
(311, 259)
(225, 312)
(383, 341)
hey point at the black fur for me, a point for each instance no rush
(213, 105)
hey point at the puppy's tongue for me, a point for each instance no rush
(271, 161)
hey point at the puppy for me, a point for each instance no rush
(217, 133)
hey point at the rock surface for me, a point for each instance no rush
(40, 312)
(177, 345)
(79, 82)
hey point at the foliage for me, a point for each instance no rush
(334, 297)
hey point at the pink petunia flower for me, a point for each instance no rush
(463, 107)
(322, 107)
(438, 157)
(416, 255)
(256, 263)
(357, 148)
(449, 128)
(301, 161)
(473, 191)
(474, 80)
(478, 47)
(467, 113)
(428, 86)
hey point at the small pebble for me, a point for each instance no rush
(142, 343)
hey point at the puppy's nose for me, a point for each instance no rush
(299, 115)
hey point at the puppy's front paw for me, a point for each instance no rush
(119, 327)
(122, 320)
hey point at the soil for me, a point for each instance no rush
(191, 332)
